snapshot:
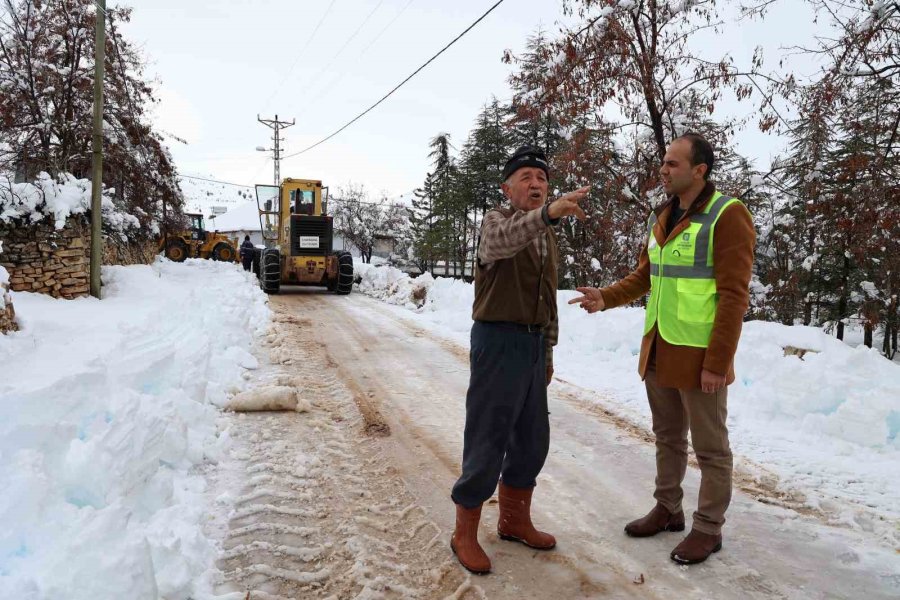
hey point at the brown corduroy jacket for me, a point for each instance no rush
(733, 244)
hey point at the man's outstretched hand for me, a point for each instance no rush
(568, 204)
(591, 300)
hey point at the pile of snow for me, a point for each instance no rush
(4, 281)
(392, 285)
(268, 398)
(109, 409)
(59, 199)
(828, 425)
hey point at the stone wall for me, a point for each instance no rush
(43, 259)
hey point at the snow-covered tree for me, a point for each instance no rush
(361, 221)
(46, 104)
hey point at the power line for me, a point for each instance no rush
(299, 55)
(330, 85)
(388, 26)
(355, 33)
(366, 202)
(258, 171)
(215, 181)
(416, 72)
(334, 58)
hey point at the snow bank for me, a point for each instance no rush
(828, 425)
(58, 199)
(108, 414)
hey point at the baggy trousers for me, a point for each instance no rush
(507, 425)
(674, 412)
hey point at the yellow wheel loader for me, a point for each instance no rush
(196, 242)
(299, 236)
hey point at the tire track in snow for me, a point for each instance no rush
(318, 511)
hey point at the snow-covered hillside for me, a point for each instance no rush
(202, 196)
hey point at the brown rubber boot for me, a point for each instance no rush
(464, 542)
(657, 520)
(515, 519)
(696, 547)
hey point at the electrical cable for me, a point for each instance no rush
(386, 96)
(332, 84)
(318, 76)
(299, 55)
(215, 181)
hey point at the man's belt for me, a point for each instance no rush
(516, 326)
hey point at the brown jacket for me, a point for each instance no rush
(516, 273)
(733, 243)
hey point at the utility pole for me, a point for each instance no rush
(276, 126)
(97, 180)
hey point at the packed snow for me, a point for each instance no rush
(110, 412)
(4, 280)
(268, 398)
(825, 424)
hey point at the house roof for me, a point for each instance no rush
(243, 217)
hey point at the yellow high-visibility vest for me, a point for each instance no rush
(683, 296)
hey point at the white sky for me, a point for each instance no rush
(220, 62)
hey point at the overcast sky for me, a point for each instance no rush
(221, 63)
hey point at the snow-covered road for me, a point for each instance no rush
(388, 402)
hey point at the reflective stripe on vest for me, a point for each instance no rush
(683, 296)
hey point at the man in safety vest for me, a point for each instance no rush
(696, 265)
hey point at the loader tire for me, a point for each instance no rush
(176, 250)
(223, 252)
(345, 274)
(270, 271)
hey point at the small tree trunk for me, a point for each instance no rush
(842, 303)
(807, 312)
(867, 338)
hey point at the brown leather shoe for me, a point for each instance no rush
(696, 547)
(657, 520)
(515, 519)
(464, 542)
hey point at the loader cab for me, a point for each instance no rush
(197, 228)
(303, 202)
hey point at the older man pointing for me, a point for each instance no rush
(507, 433)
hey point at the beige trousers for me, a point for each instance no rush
(675, 412)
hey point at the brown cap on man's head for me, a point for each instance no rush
(526, 156)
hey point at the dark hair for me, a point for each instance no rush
(246, 238)
(701, 151)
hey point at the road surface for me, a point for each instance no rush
(351, 498)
